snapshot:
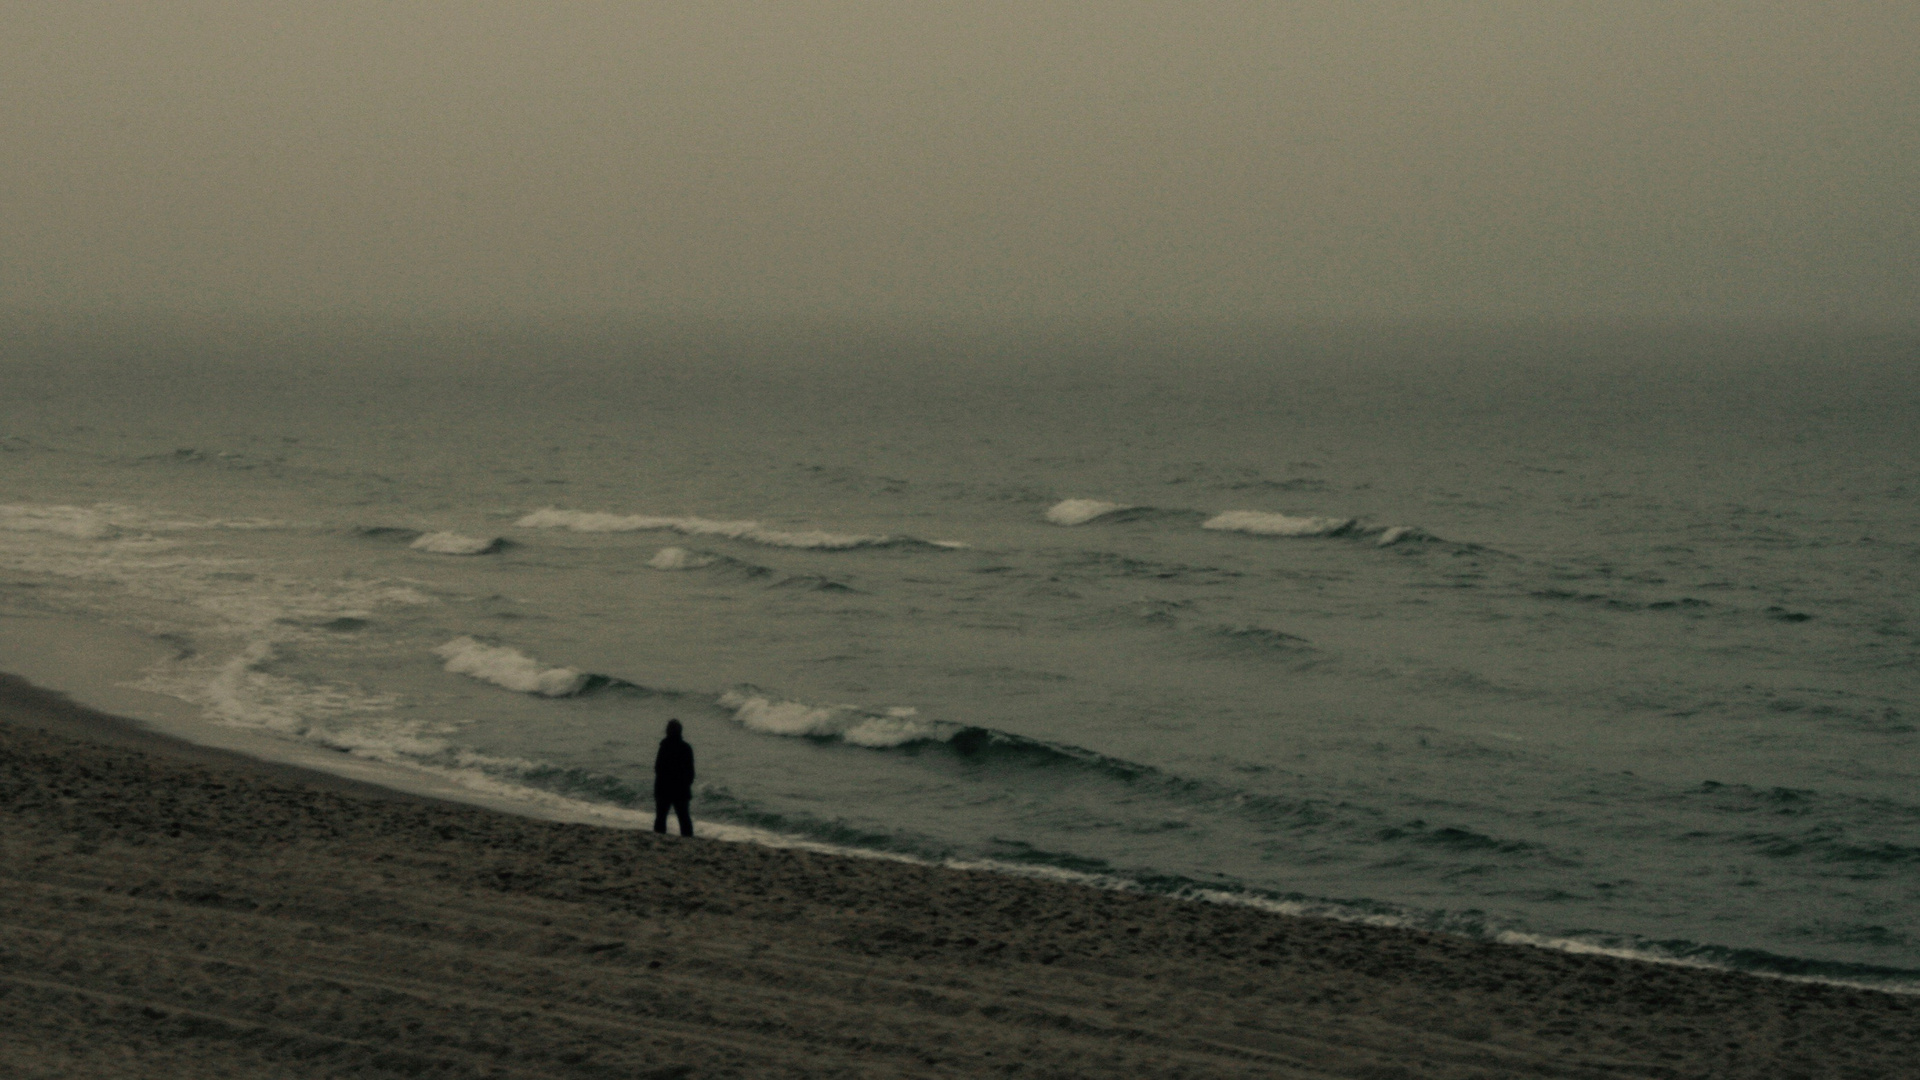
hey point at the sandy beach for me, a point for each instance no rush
(171, 910)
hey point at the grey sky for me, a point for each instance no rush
(1300, 160)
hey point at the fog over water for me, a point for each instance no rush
(1316, 160)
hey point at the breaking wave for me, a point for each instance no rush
(387, 532)
(679, 558)
(759, 712)
(1259, 523)
(1081, 511)
(450, 543)
(513, 669)
(437, 543)
(749, 531)
(1393, 534)
(1084, 511)
(904, 728)
(673, 559)
(1255, 522)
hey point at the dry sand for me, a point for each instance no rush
(172, 911)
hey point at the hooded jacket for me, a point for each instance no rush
(673, 769)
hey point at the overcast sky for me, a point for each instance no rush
(1320, 159)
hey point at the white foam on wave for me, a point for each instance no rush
(113, 521)
(451, 543)
(815, 538)
(591, 521)
(751, 531)
(1393, 534)
(121, 573)
(1081, 511)
(771, 716)
(679, 558)
(75, 522)
(509, 668)
(1260, 523)
(237, 690)
(132, 518)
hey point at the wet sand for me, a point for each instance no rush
(168, 910)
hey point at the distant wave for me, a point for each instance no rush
(1108, 564)
(1254, 522)
(1393, 534)
(1685, 603)
(387, 532)
(1259, 523)
(675, 559)
(1814, 844)
(813, 583)
(1456, 838)
(679, 558)
(111, 522)
(449, 543)
(1261, 637)
(1081, 511)
(750, 531)
(1084, 511)
(437, 543)
(75, 522)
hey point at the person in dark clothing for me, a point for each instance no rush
(673, 780)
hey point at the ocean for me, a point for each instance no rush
(1594, 637)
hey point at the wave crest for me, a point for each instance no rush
(903, 728)
(451, 543)
(1081, 511)
(679, 558)
(1260, 523)
(510, 668)
(759, 712)
(750, 531)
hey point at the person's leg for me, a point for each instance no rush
(660, 815)
(680, 807)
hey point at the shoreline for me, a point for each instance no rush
(23, 703)
(172, 909)
(174, 727)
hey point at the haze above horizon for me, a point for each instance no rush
(1315, 161)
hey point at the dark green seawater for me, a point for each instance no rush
(1602, 636)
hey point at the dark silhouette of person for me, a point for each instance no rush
(673, 780)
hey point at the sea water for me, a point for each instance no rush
(1593, 636)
